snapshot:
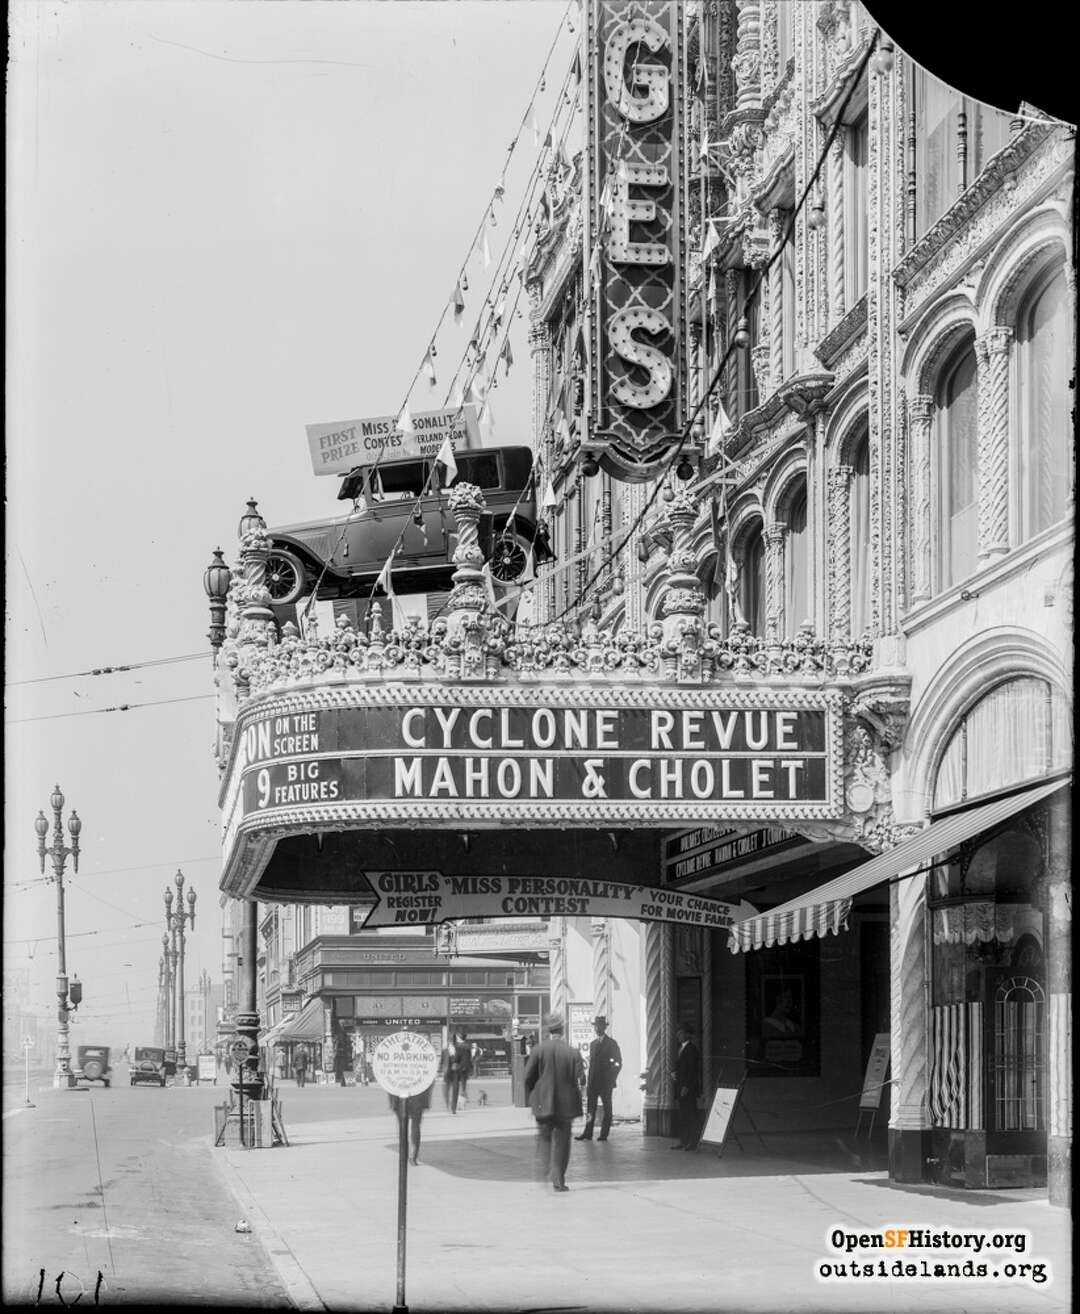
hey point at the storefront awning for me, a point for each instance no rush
(824, 910)
(305, 1025)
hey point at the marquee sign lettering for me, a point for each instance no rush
(449, 753)
(636, 231)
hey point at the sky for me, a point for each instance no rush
(225, 221)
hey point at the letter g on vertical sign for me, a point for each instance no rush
(651, 79)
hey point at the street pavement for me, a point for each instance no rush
(643, 1227)
(126, 1182)
(122, 1183)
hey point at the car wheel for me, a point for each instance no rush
(509, 557)
(92, 1070)
(286, 578)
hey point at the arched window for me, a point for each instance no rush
(796, 566)
(1019, 1061)
(1018, 731)
(1045, 473)
(957, 469)
(861, 564)
(752, 581)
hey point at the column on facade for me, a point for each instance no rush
(540, 356)
(992, 355)
(775, 309)
(557, 983)
(747, 62)
(601, 963)
(775, 541)
(708, 1049)
(910, 1039)
(920, 411)
(659, 1028)
(633, 500)
(1059, 989)
(836, 230)
(840, 484)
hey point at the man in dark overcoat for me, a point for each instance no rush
(605, 1064)
(687, 1080)
(554, 1076)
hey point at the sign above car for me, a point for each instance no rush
(341, 446)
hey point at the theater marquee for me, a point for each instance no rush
(645, 756)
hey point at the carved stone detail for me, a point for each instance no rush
(747, 62)
(840, 484)
(992, 355)
(775, 538)
(658, 1017)
(920, 411)
(908, 1020)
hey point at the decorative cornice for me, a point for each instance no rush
(835, 342)
(1012, 156)
(805, 393)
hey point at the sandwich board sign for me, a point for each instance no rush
(721, 1112)
(876, 1067)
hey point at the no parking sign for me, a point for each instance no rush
(404, 1063)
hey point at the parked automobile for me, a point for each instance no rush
(147, 1067)
(92, 1064)
(342, 558)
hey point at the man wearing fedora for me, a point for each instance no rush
(554, 1075)
(605, 1063)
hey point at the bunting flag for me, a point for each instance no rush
(721, 426)
(404, 422)
(489, 585)
(577, 68)
(547, 140)
(457, 301)
(712, 290)
(463, 281)
(457, 395)
(704, 150)
(549, 500)
(491, 209)
(594, 264)
(712, 239)
(384, 581)
(428, 365)
(500, 309)
(506, 356)
(545, 207)
(446, 458)
(485, 421)
(485, 250)
(535, 129)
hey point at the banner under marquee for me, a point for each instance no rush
(425, 898)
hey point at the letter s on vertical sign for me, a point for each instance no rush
(640, 395)
(653, 78)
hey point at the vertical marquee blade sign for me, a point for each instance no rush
(635, 234)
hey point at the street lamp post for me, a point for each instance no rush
(166, 967)
(63, 1078)
(177, 921)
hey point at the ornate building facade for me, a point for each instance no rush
(880, 296)
(801, 331)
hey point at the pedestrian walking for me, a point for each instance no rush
(414, 1113)
(455, 1069)
(554, 1076)
(300, 1064)
(341, 1054)
(687, 1080)
(605, 1064)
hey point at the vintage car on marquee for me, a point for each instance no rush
(342, 558)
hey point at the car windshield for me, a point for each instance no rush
(149, 1055)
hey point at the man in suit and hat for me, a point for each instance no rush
(687, 1079)
(554, 1075)
(605, 1063)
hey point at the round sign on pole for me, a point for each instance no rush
(404, 1063)
(241, 1047)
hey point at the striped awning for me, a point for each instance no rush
(825, 910)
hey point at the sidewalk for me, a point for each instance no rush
(642, 1227)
